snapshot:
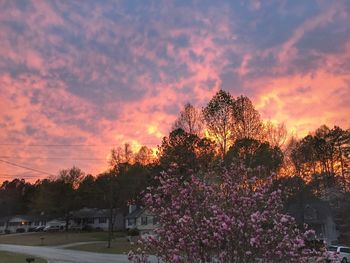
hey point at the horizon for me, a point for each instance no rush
(78, 79)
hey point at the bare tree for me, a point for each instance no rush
(247, 122)
(128, 153)
(190, 120)
(276, 134)
(219, 119)
(144, 156)
(117, 157)
(121, 155)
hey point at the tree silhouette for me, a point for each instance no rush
(247, 122)
(190, 120)
(185, 153)
(219, 119)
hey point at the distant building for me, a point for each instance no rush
(21, 223)
(317, 214)
(96, 219)
(141, 219)
(83, 219)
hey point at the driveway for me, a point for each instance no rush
(57, 255)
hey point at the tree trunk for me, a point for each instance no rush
(110, 227)
(67, 222)
(342, 167)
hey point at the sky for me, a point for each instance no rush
(80, 77)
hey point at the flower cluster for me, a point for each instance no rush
(232, 219)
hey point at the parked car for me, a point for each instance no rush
(53, 228)
(342, 253)
(39, 228)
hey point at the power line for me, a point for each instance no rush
(2, 175)
(25, 167)
(56, 145)
(54, 158)
(70, 145)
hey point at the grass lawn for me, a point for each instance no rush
(118, 246)
(53, 239)
(7, 257)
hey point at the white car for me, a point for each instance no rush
(342, 253)
(53, 228)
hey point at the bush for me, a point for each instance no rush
(133, 232)
(7, 232)
(20, 230)
(87, 228)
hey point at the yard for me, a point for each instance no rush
(54, 239)
(7, 257)
(118, 246)
(67, 240)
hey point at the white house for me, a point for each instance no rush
(318, 215)
(3, 224)
(96, 219)
(20, 223)
(141, 219)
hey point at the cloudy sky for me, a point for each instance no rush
(77, 77)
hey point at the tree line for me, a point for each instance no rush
(227, 132)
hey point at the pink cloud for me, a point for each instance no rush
(113, 76)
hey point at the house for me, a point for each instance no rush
(20, 223)
(141, 219)
(86, 218)
(96, 219)
(317, 214)
(3, 224)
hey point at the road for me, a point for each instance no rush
(58, 255)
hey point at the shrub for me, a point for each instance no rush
(133, 232)
(20, 230)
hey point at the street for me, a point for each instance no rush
(57, 255)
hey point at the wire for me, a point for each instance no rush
(13, 176)
(56, 145)
(70, 145)
(53, 158)
(25, 167)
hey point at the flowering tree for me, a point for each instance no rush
(233, 219)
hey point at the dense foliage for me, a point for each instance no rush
(233, 220)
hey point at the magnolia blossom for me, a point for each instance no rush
(225, 219)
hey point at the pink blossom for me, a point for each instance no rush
(202, 219)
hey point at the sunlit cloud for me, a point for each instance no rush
(101, 74)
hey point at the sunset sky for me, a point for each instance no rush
(77, 77)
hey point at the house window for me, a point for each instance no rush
(155, 220)
(102, 220)
(144, 220)
(310, 213)
(90, 220)
(14, 223)
(131, 221)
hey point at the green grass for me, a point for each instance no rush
(118, 246)
(53, 239)
(7, 257)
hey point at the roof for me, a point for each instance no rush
(29, 218)
(90, 212)
(136, 213)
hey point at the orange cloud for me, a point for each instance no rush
(103, 74)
